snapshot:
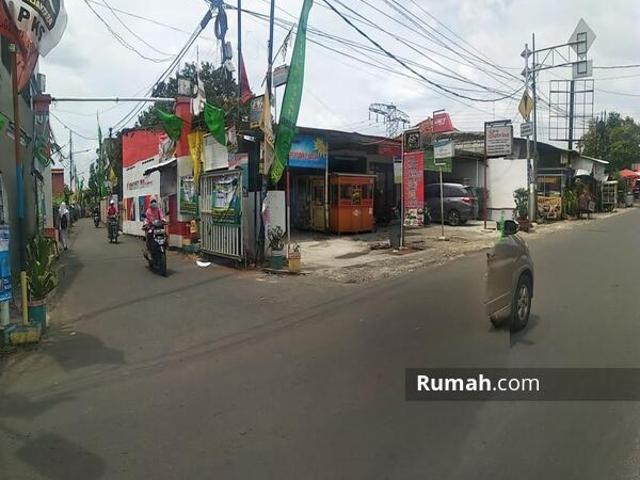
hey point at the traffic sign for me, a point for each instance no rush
(582, 38)
(526, 129)
(526, 105)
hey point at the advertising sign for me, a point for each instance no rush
(241, 161)
(188, 196)
(5, 265)
(412, 140)
(413, 189)
(226, 205)
(397, 170)
(442, 122)
(443, 149)
(498, 139)
(309, 151)
(255, 111)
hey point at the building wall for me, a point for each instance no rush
(57, 181)
(8, 165)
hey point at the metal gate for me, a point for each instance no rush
(221, 214)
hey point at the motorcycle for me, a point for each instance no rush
(96, 219)
(156, 251)
(113, 229)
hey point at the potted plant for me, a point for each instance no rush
(276, 244)
(294, 260)
(521, 198)
(41, 277)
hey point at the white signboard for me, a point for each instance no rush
(397, 170)
(526, 129)
(443, 149)
(498, 140)
(216, 155)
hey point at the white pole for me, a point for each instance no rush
(442, 237)
(402, 192)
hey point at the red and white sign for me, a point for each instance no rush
(413, 188)
(442, 123)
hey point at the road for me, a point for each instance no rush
(218, 373)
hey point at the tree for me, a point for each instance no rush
(615, 139)
(220, 90)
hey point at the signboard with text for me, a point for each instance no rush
(498, 139)
(443, 149)
(309, 151)
(413, 189)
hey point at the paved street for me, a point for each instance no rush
(219, 373)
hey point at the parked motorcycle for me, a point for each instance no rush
(96, 219)
(156, 251)
(113, 229)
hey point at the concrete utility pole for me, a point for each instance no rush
(531, 180)
(71, 160)
(534, 180)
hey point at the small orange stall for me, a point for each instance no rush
(351, 199)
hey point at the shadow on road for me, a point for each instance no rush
(521, 336)
(79, 350)
(55, 457)
(14, 405)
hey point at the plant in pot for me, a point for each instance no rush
(294, 259)
(521, 198)
(41, 277)
(276, 244)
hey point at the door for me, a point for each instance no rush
(501, 264)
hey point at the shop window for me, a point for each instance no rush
(334, 194)
(356, 195)
(367, 191)
(346, 192)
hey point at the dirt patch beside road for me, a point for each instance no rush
(360, 259)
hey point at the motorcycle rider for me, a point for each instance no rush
(112, 214)
(153, 214)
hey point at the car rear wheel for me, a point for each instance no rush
(521, 305)
(453, 218)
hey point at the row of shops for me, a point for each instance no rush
(339, 182)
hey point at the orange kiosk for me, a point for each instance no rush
(351, 199)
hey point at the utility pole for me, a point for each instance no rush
(534, 163)
(530, 170)
(20, 233)
(572, 100)
(239, 60)
(71, 180)
(263, 194)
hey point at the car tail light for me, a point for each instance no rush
(467, 200)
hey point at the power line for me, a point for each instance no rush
(614, 67)
(72, 129)
(121, 40)
(117, 17)
(405, 65)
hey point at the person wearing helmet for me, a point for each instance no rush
(154, 213)
(112, 211)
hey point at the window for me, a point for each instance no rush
(346, 192)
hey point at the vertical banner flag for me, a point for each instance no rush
(413, 189)
(267, 130)
(35, 26)
(292, 97)
(245, 89)
(196, 146)
(5, 264)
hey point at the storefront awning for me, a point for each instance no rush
(160, 166)
(582, 173)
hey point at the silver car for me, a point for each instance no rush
(509, 279)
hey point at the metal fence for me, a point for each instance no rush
(216, 238)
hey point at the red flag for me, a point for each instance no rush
(245, 90)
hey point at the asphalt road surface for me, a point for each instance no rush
(218, 373)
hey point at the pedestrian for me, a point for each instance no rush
(64, 221)
(584, 204)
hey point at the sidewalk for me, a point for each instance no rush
(360, 258)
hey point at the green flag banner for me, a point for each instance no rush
(214, 118)
(3, 120)
(292, 97)
(171, 123)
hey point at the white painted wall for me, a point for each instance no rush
(504, 176)
(136, 184)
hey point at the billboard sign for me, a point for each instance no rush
(413, 189)
(309, 151)
(498, 139)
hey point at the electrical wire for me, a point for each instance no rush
(405, 65)
(72, 129)
(121, 40)
(616, 67)
(117, 17)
